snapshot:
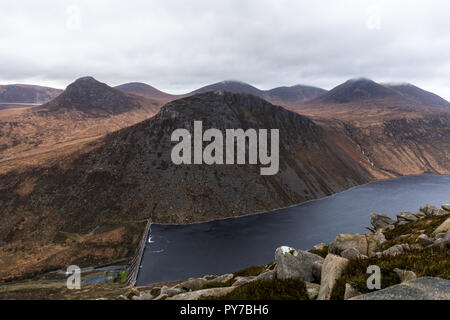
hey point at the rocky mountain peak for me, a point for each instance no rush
(224, 110)
(356, 90)
(92, 97)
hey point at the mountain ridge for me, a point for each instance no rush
(27, 93)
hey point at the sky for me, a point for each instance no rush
(178, 46)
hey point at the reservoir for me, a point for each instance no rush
(225, 246)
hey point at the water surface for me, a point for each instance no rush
(181, 252)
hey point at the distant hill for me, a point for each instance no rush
(422, 96)
(85, 110)
(145, 90)
(231, 86)
(294, 94)
(23, 93)
(373, 93)
(357, 90)
(91, 97)
(280, 95)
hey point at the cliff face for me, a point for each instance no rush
(406, 146)
(95, 199)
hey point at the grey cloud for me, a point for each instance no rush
(180, 45)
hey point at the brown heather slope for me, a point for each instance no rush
(86, 110)
(89, 208)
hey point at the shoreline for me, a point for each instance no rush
(294, 205)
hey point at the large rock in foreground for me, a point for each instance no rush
(332, 269)
(297, 264)
(426, 288)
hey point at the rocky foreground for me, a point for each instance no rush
(411, 251)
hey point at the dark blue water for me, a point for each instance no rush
(180, 252)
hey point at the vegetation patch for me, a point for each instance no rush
(320, 252)
(415, 228)
(121, 277)
(268, 290)
(61, 237)
(429, 262)
(212, 285)
(250, 271)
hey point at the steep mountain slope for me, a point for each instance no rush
(90, 204)
(404, 146)
(22, 93)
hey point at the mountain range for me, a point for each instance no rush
(353, 90)
(81, 174)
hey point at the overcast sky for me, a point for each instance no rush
(178, 46)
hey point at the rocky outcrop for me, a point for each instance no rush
(426, 288)
(364, 243)
(392, 251)
(352, 254)
(332, 269)
(266, 275)
(195, 295)
(243, 280)
(425, 240)
(405, 275)
(192, 284)
(381, 221)
(297, 264)
(442, 240)
(443, 227)
(312, 290)
(350, 292)
(429, 209)
(406, 217)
